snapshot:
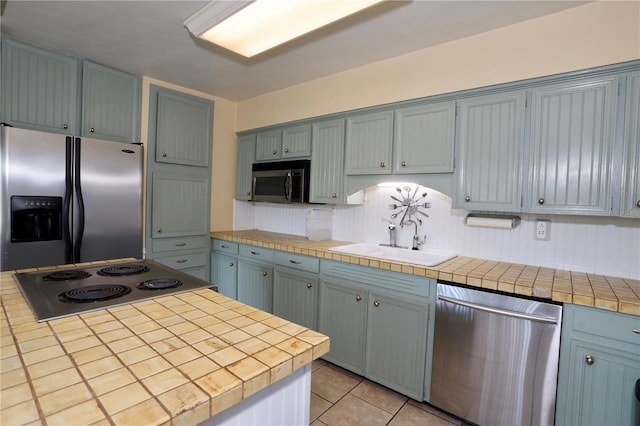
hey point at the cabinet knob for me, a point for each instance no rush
(403, 164)
(638, 204)
(248, 193)
(231, 263)
(65, 126)
(264, 274)
(541, 201)
(164, 154)
(382, 164)
(309, 285)
(286, 150)
(358, 298)
(160, 230)
(376, 303)
(274, 152)
(334, 195)
(589, 360)
(92, 130)
(467, 198)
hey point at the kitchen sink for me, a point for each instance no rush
(420, 257)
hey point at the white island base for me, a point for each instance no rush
(286, 402)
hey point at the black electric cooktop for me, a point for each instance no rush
(70, 291)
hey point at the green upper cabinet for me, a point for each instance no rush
(491, 136)
(572, 135)
(369, 142)
(184, 129)
(284, 143)
(269, 145)
(40, 89)
(327, 163)
(631, 179)
(110, 104)
(244, 161)
(424, 137)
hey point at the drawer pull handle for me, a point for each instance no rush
(181, 261)
(256, 253)
(181, 244)
(223, 246)
(636, 330)
(295, 262)
(589, 360)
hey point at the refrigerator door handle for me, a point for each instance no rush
(77, 246)
(66, 204)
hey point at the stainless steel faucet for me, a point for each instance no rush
(392, 234)
(416, 239)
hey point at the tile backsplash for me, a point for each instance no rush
(601, 245)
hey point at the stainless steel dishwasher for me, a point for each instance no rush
(495, 357)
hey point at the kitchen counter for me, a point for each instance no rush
(176, 359)
(599, 291)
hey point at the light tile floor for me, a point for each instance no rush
(339, 397)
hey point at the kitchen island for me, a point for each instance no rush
(178, 359)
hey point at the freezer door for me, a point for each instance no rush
(33, 167)
(108, 209)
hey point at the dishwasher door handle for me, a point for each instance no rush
(506, 312)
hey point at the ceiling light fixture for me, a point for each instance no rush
(254, 26)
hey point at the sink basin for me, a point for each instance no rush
(420, 257)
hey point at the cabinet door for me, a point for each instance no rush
(631, 178)
(572, 133)
(295, 296)
(224, 274)
(255, 285)
(327, 163)
(424, 139)
(601, 386)
(396, 343)
(269, 145)
(368, 144)
(491, 138)
(110, 104)
(296, 141)
(180, 205)
(184, 129)
(41, 89)
(343, 316)
(246, 155)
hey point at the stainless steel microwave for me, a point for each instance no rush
(281, 182)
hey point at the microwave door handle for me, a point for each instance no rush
(287, 186)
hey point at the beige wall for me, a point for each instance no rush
(223, 153)
(596, 34)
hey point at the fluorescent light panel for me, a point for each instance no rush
(249, 28)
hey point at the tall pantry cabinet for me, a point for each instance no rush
(179, 180)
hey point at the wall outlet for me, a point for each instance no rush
(543, 227)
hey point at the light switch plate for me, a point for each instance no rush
(542, 229)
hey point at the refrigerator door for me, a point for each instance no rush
(108, 201)
(32, 173)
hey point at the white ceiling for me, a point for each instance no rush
(148, 38)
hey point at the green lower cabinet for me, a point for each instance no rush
(224, 274)
(396, 343)
(295, 296)
(255, 284)
(343, 317)
(599, 367)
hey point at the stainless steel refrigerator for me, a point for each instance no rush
(67, 199)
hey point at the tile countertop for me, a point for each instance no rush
(172, 360)
(599, 291)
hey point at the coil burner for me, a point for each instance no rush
(68, 275)
(94, 293)
(123, 270)
(159, 284)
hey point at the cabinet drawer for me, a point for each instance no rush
(388, 280)
(256, 253)
(612, 325)
(225, 246)
(184, 261)
(172, 244)
(297, 261)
